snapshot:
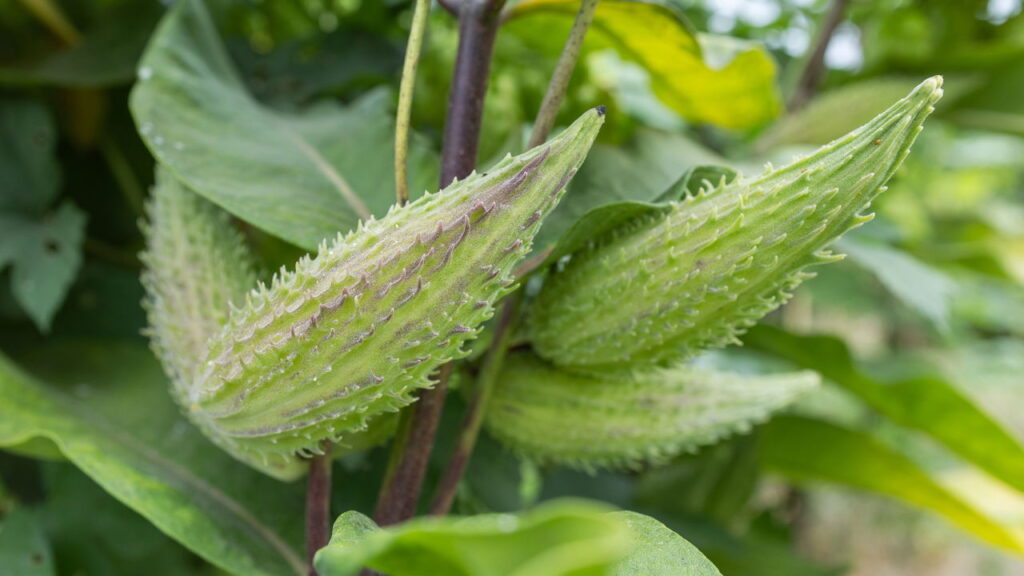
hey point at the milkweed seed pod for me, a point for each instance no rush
(593, 421)
(196, 263)
(352, 333)
(667, 286)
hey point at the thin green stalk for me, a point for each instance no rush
(563, 73)
(405, 94)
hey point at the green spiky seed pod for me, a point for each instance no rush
(352, 333)
(592, 421)
(196, 263)
(697, 274)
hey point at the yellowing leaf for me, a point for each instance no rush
(704, 78)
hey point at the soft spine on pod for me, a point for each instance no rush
(351, 333)
(591, 421)
(663, 288)
(196, 263)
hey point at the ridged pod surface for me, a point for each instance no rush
(351, 333)
(591, 421)
(196, 263)
(668, 286)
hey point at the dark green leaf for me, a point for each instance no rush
(641, 170)
(301, 177)
(805, 449)
(24, 549)
(106, 56)
(45, 258)
(29, 173)
(123, 430)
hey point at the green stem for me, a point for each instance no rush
(563, 73)
(477, 408)
(405, 94)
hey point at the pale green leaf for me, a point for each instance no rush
(704, 78)
(929, 404)
(658, 551)
(805, 449)
(918, 285)
(122, 429)
(566, 538)
(302, 177)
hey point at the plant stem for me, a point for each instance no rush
(477, 408)
(405, 94)
(562, 74)
(814, 69)
(491, 368)
(318, 504)
(478, 27)
(410, 454)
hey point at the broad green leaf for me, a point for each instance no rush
(805, 449)
(88, 529)
(704, 78)
(24, 548)
(45, 257)
(918, 285)
(605, 219)
(29, 173)
(929, 404)
(123, 430)
(302, 177)
(658, 551)
(642, 170)
(562, 538)
(996, 104)
(107, 54)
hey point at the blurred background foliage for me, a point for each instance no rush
(919, 333)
